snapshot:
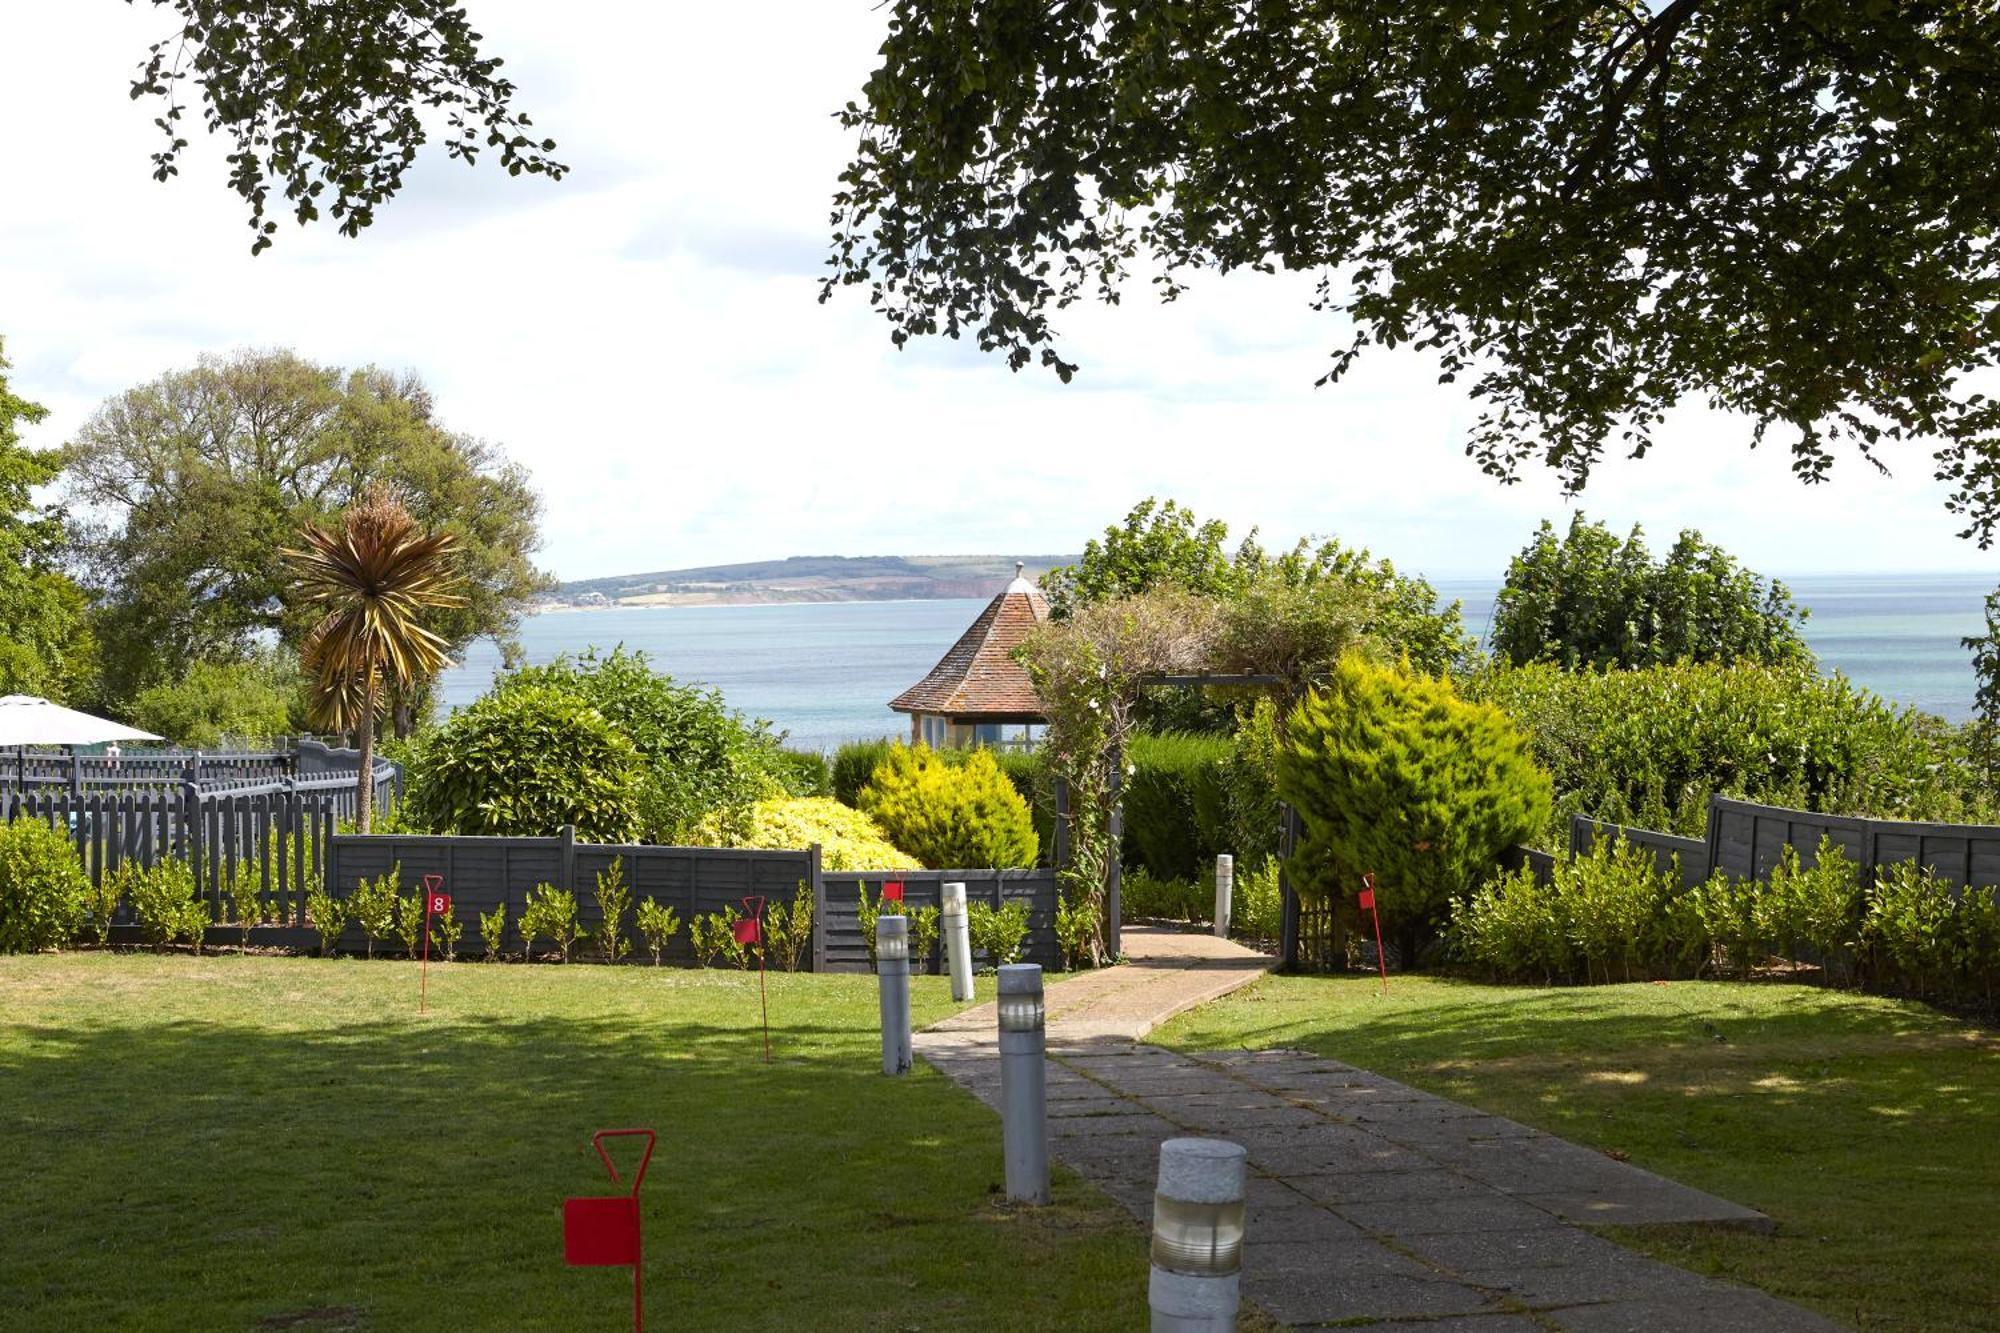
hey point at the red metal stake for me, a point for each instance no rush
(604, 1232)
(432, 883)
(756, 935)
(1368, 901)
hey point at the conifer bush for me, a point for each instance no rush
(950, 814)
(1395, 775)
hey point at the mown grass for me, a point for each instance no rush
(232, 1142)
(1868, 1128)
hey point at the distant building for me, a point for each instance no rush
(593, 599)
(978, 694)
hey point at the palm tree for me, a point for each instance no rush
(374, 575)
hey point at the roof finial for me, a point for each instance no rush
(1020, 568)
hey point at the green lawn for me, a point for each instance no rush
(1868, 1128)
(233, 1142)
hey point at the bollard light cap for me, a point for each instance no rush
(1020, 1002)
(1202, 1170)
(892, 938)
(952, 896)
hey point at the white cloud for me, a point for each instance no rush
(645, 335)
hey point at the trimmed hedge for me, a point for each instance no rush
(1177, 809)
(848, 839)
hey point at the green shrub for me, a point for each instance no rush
(1250, 786)
(446, 931)
(372, 905)
(848, 839)
(658, 925)
(526, 761)
(327, 915)
(1604, 916)
(709, 935)
(1817, 911)
(1176, 798)
(866, 913)
(1142, 894)
(693, 756)
(998, 933)
(100, 900)
(493, 931)
(218, 704)
(1725, 912)
(159, 894)
(955, 814)
(854, 763)
(245, 903)
(1258, 905)
(923, 936)
(1076, 923)
(1396, 775)
(1932, 939)
(802, 772)
(1649, 748)
(614, 900)
(410, 922)
(42, 887)
(736, 951)
(549, 911)
(788, 931)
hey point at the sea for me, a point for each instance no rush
(824, 672)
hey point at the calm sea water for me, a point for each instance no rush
(825, 672)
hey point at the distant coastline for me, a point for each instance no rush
(804, 581)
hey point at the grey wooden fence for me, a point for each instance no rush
(1746, 840)
(482, 873)
(838, 944)
(1690, 853)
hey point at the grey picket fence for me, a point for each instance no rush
(1690, 854)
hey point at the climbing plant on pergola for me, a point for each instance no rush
(1092, 668)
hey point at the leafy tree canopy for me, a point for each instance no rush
(204, 475)
(326, 104)
(1313, 601)
(251, 703)
(46, 644)
(1589, 600)
(1594, 210)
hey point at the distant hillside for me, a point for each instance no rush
(810, 578)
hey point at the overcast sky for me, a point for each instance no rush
(644, 335)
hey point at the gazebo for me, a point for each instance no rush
(978, 694)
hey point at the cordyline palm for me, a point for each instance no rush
(374, 575)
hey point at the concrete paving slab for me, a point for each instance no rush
(1368, 1199)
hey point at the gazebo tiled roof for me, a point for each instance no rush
(979, 677)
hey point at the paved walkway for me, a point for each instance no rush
(1368, 1199)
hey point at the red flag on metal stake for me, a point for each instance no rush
(892, 891)
(1367, 903)
(750, 930)
(438, 903)
(603, 1232)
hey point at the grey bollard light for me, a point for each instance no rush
(1024, 1101)
(1197, 1236)
(957, 942)
(892, 975)
(1225, 890)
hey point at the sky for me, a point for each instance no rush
(645, 337)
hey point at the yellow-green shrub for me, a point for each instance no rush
(1397, 776)
(42, 887)
(848, 839)
(950, 815)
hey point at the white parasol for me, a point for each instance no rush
(26, 720)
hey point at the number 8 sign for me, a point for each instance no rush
(440, 904)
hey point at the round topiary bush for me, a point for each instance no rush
(42, 885)
(950, 815)
(848, 839)
(525, 761)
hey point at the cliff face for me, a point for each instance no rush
(810, 579)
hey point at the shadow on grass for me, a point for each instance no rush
(222, 1173)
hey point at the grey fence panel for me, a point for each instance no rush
(1691, 853)
(843, 948)
(1519, 857)
(482, 873)
(1747, 839)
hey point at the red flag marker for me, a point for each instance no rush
(436, 902)
(603, 1232)
(1367, 904)
(750, 930)
(892, 891)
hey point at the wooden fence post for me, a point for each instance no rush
(191, 830)
(1288, 898)
(1114, 859)
(1061, 856)
(568, 871)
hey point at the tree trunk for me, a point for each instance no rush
(364, 782)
